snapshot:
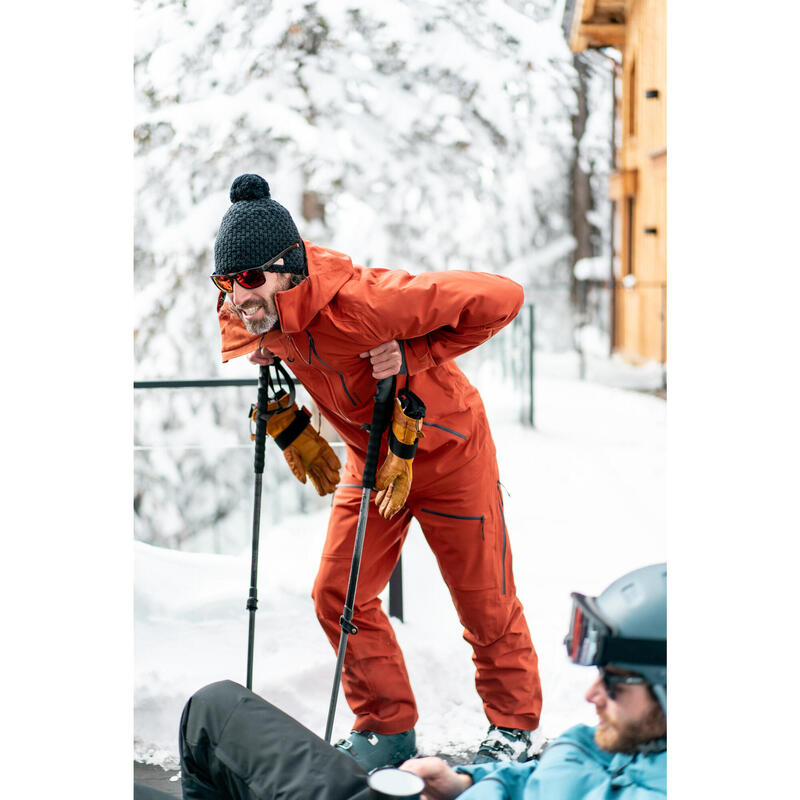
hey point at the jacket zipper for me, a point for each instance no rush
(503, 518)
(449, 430)
(341, 377)
(324, 376)
(580, 747)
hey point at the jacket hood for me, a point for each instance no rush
(328, 271)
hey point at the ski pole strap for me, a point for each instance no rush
(400, 449)
(280, 392)
(411, 404)
(381, 417)
(300, 422)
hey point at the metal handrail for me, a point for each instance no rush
(204, 382)
(395, 597)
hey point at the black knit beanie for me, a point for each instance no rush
(254, 230)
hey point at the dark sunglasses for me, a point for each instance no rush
(611, 680)
(250, 278)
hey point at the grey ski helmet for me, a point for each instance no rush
(625, 625)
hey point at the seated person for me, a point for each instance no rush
(623, 632)
(236, 746)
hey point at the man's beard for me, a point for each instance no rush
(625, 737)
(261, 325)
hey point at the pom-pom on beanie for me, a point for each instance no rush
(254, 230)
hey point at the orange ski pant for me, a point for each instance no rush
(465, 528)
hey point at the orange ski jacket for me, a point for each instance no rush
(342, 310)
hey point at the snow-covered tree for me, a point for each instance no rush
(420, 135)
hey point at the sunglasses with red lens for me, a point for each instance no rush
(250, 278)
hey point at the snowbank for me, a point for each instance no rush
(585, 503)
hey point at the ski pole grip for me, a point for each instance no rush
(381, 417)
(261, 421)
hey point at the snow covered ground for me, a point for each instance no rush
(585, 504)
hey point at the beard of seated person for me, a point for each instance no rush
(625, 737)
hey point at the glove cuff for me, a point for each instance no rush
(401, 449)
(301, 421)
(406, 426)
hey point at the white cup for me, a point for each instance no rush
(389, 783)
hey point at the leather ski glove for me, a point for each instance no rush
(305, 451)
(394, 479)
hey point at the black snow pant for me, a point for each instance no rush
(236, 746)
(141, 791)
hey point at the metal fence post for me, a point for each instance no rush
(663, 336)
(531, 340)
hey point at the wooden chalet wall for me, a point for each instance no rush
(637, 28)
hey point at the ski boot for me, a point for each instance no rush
(372, 750)
(510, 744)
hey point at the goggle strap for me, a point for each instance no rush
(635, 651)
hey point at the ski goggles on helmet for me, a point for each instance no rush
(593, 640)
(250, 278)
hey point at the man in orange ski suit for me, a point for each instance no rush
(325, 322)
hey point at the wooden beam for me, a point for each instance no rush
(590, 26)
(612, 34)
(586, 12)
(611, 8)
(622, 184)
(577, 43)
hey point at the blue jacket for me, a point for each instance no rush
(572, 767)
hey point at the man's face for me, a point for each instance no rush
(633, 717)
(256, 307)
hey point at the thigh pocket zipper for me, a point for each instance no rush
(505, 533)
(457, 516)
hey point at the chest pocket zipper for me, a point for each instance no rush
(296, 349)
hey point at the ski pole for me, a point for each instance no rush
(381, 417)
(260, 438)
